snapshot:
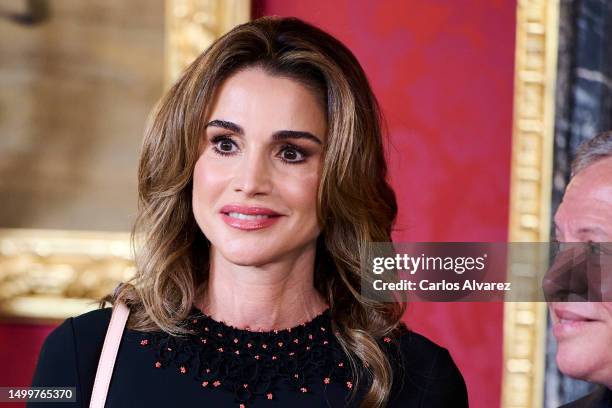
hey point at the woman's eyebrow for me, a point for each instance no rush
(276, 136)
(294, 134)
(226, 125)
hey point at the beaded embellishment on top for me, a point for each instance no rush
(253, 364)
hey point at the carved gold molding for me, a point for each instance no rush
(47, 274)
(192, 25)
(51, 275)
(530, 192)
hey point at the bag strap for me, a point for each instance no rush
(109, 354)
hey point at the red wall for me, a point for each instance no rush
(19, 347)
(443, 73)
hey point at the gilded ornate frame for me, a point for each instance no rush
(49, 275)
(537, 29)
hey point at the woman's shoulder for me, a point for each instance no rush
(69, 354)
(92, 324)
(80, 330)
(421, 352)
(81, 336)
(427, 371)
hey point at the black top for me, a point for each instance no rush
(220, 366)
(600, 398)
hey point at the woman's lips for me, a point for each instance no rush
(568, 322)
(248, 218)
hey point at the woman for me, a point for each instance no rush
(261, 183)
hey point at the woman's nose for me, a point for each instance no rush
(253, 175)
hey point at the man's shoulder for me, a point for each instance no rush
(601, 397)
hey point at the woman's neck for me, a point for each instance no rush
(274, 296)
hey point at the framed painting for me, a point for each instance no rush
(79, 80)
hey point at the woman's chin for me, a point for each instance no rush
(246, 255)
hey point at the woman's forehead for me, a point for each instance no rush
(252, 98)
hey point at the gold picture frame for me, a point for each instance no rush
(537, 33)
(49, 275)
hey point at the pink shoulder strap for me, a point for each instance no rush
(109, 354)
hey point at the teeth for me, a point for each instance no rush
(241, 216)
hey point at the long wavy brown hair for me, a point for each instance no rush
(355, 206)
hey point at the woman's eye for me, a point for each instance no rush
(223, 145)
(291, 154)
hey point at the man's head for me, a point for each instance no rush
(584, 329)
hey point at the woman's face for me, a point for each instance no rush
(255, 182)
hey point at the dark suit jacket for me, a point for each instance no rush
(600, 398)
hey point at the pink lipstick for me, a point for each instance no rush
(248, 217)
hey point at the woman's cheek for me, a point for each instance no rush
(302, 189)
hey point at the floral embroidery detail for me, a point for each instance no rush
(252, 364)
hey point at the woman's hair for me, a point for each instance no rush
(355, 205)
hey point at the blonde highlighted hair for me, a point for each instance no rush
(355, 205)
